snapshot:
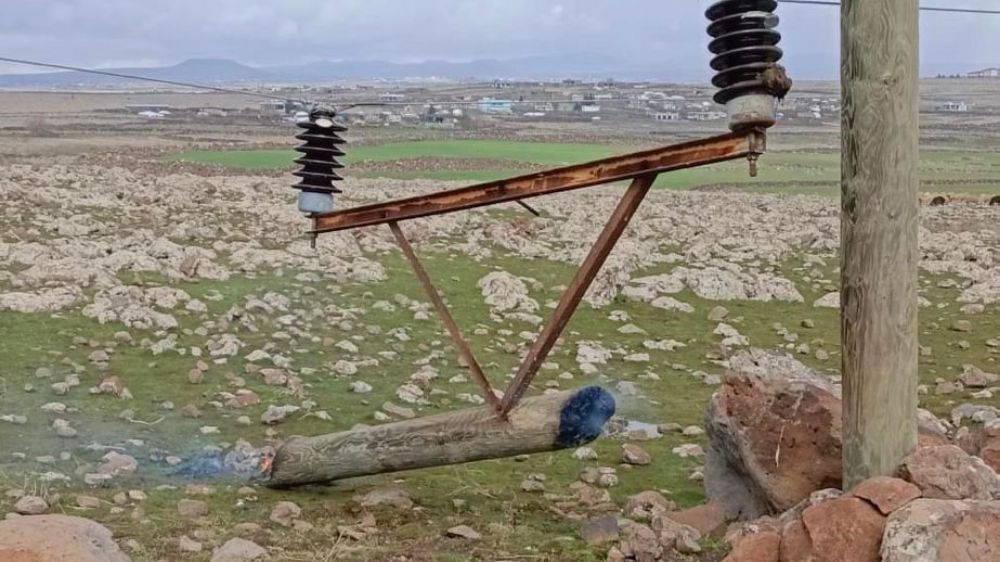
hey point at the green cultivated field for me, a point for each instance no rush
(793, 172)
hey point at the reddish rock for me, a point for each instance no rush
(948, 472)
(774, 429)
(634, 454)
(600, 530)
(886, 494)
(244, 398)
(30, 539)
(945, 530)
(708, 519)
(845, 529)
(758, 547)
(796, 546)
(111, 385)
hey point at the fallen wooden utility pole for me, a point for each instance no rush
(543, 423)
(879, 221)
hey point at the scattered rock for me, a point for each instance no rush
(31, 505)
(30, 539)
(600, 530)
(948, 472)
(463, 532)
(634, 454)
(284, 513)
(395, 497)
(239, 550)
(646, 505)
(886, 494)
(928, 530)
(192, 509)
(399, 411)
(277, 414)
(708, 519)
(850, 527)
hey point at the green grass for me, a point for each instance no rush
(780, 172)
(510, 520)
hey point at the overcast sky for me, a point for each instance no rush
(670, 33)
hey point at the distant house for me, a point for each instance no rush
(146, 107)
(986, 73)
(706, 115)
(281, 107)
(387, 97)
(954, 107)
(490, 105)
(667, 116)
(590, 108)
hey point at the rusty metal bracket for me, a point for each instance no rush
(442, 309)
(640, 167)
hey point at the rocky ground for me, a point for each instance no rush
(158, 327)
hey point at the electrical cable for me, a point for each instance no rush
(144, 78)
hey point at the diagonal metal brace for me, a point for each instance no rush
(582, 280)
(442, 309)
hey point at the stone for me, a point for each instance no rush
(640, 543)
(963, 326)
(887, 494)
(948, 472)
(774, 430)
(276, 414)
(646, 505)
(762, 546)
(585, 454)
(463, 532)
(675, 536)
(31, 505)
(30, 539)
(285, 513)
(718, 314)
(844, 529)
(974, 377)
(239, 550)
(708, 519)
(87, 502)
(187, 544)
(600, 530)
(395, 497)
(192, 509)
(947, 530)
(636, 455)
(399, 411)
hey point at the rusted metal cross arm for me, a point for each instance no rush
(628, 166)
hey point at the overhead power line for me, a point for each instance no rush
(347, 106)
(923, 8)
(142, 78)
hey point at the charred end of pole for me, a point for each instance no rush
(321, 147)
(583, 417)
(745, 45)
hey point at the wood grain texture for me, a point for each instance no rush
(542, 423)
(879, 223)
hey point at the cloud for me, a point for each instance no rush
(663, 33)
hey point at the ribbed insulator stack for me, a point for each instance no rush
(745, 45)
(320, 151)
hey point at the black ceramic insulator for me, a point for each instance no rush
(320, 151)
(745, 44)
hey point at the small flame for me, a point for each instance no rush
(266, 462)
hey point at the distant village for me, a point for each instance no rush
(565, 101)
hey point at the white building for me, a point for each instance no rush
(986, 73)
(954, 107)
(667, 116)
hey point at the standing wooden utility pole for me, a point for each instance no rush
(880, 190)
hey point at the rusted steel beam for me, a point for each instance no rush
(442, 309)
(584, 276)
(629, 166)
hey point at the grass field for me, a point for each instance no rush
(793, 172)
(489, 492)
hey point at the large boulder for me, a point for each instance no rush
(31, 539)
(774, 429)
(948, 530)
